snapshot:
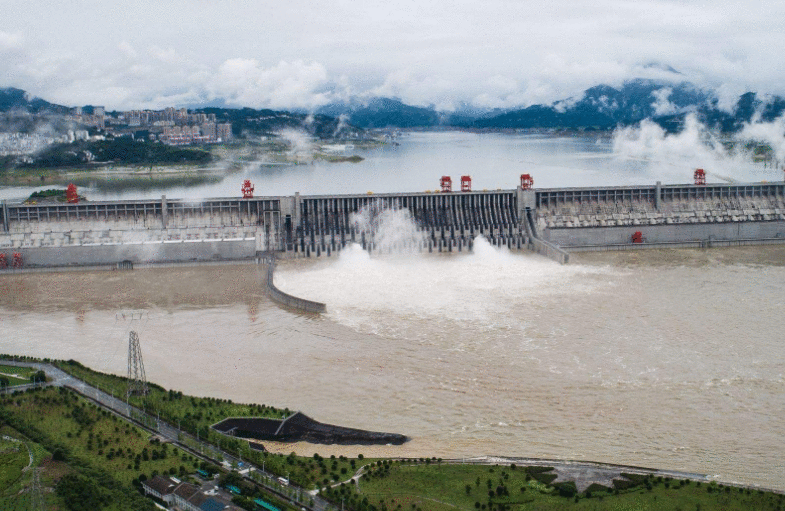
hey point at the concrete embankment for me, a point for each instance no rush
(286, 299)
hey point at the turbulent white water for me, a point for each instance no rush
(475, 290)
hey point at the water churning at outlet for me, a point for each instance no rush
(392, 230)
(382, 294)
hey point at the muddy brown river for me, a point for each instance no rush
(666, 359)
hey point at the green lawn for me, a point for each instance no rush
(191, 412)
(198, 413)
(16, 375)
(13, 458)
(85, 432)
(395, 486)
(22, 372)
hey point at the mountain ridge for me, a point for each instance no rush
(599, 108)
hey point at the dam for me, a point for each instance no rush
(552, 221)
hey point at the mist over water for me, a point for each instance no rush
(670, 155)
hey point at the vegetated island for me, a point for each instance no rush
(63, 446)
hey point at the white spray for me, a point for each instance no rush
(300, 143)
(390, 294)
(392, 230)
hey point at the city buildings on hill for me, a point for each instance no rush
(173, 126)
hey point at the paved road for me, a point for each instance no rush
(292, 494)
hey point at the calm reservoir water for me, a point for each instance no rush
(493, 160)
(670, 359)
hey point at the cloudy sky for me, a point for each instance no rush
(293, 53)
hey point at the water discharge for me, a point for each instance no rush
(474, 290)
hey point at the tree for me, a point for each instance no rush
(38, 377)
(81, 493)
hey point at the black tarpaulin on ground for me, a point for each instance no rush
(301, 428)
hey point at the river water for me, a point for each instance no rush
(668, 359)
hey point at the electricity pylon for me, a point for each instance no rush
(137, 381)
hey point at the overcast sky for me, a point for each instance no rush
(293, 53)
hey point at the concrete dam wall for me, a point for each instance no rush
(686, 215)
(444, 222)
(544, 220)
(285, 298)
(95, 233)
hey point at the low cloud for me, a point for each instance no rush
(10, 41)
(662, 105)
(286, 85)
(128, 50)
(771, 133)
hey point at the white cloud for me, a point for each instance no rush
(165, 55)
(417, 89)
(127, 49)
(10, 41)
(662, 105)
(772, 133)
(494, 53)
(286, 85)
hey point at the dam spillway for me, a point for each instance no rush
(181, 230)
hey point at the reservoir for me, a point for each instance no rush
(662, 358)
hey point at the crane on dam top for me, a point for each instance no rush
(446, 184)
(247, 189)
(71, 194)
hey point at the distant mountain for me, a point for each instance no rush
(384, 113)
(17, 99)
(604, 107)
(599, 108)
(747, 107)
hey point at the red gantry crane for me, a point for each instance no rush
(247, 189)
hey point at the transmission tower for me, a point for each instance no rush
(137, 381)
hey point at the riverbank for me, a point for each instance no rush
(430, 484)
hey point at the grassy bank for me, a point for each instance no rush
(195, 415)
(417, 486)
(16, 375)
